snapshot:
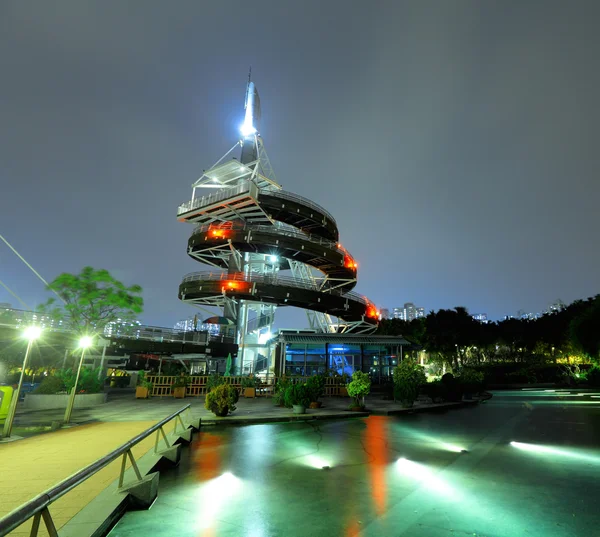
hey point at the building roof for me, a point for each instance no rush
(365, 339)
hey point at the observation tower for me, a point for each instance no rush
(266, 248)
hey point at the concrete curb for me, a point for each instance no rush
(283, 419)
(432, 407)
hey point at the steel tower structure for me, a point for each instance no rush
(268, 248)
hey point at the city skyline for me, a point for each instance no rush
(499, 183)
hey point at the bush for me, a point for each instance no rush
(51, 385)
(221, 400)
(88, 380)
(471, 380)
(408, 379)
(435, 390)
(296, 394)
(279, 392)
(593, 376)
(316, 387)
(214, 381)
(452, 388)
(359, 387)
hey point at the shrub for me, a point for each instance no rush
(221, 400)
(296, 394)
(88, 380)
(435, 390)
(593, 376)
(51, 385)
(408, 379)
(452, 388)
(316, 387)
(279, 392)
(471, 380)
(213, 381)
(359, 387)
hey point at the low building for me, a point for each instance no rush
(306, 354)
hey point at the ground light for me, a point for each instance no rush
(320, 463)
(549, 450)
(31, 333)
(84, 343)
(214, 498)
(425, 476)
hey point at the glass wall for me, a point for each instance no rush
(379, 360)
(294, 359)
(315, 359)
(344, 358)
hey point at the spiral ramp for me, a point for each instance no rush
(267, 248)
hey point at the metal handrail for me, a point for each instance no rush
(284, 194)
(277, 231)
(23, 513)
(213, 198)
(275, 280)
(140, 332)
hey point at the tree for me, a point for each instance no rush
(584, 330)
(92, 299)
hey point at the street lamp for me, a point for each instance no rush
(84, 343)
(31, 333)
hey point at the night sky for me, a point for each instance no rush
(455, 142)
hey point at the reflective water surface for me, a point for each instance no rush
(451, 473)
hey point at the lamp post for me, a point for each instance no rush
(31, 334)
(84, 343)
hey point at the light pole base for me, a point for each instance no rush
(11, 438)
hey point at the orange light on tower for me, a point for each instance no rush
(372, 311)
(349, 262)
(235, 285)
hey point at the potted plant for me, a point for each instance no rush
(296, 397)
(249, 385)
(316, 388)
(408, 379)
(179, 386)
(358, 388)
(221, 400)
(144, 386)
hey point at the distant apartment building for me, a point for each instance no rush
(122, 327)
(192, 325)
(481, 317)
(556, 306)
(409, 312)
(385, 313)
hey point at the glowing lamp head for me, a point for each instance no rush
(85, 342)
(32, 332)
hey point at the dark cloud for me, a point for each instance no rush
(454, 141)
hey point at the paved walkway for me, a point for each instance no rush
(30, 466)
(124, 407)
